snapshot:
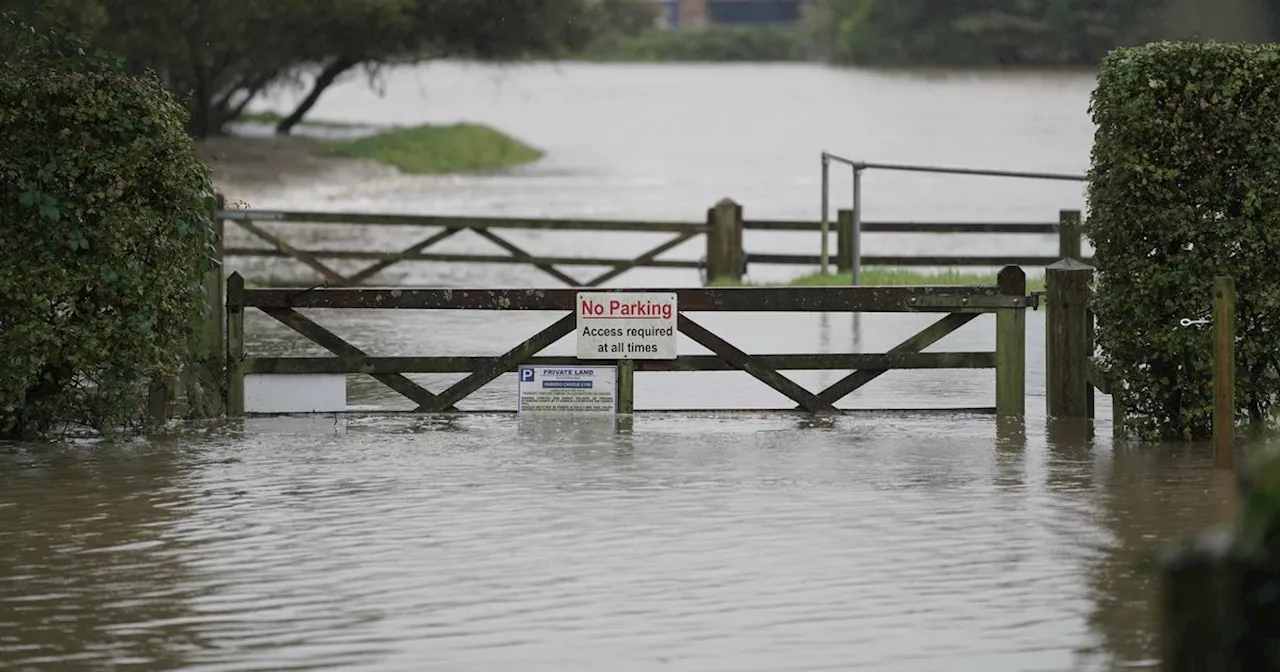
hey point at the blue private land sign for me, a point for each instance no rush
(577, 390)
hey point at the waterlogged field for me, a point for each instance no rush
(913, 541)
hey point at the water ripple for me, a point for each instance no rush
(855, 546)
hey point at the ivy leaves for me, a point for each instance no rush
(105, 232)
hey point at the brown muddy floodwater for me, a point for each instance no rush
(710, 541)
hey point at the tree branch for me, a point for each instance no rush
(323, 81)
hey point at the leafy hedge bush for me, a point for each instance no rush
(1185, 185)
(105, 233)
(715, 44)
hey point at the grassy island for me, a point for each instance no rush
(425, 149)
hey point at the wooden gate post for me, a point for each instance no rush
(205, 396)
(626, 386)
(1067, 343)
(1011, 345)
(1070, 232)
(235, 346)
(846, 242)
(1224, 372)
(212, 344)
(724, 242)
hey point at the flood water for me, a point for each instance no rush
(698, 541)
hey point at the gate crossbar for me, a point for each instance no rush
(418, 251)
(961, 305)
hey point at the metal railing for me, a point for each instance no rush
(861, 166)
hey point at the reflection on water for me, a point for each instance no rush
(903, 542)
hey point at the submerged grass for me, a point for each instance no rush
(429, 149)
(426, 149)
(891, 277)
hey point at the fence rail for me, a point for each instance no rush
(722, 229)
(959, 306)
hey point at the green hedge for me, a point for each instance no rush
(714, 44)
(105, 233)
(1185, 185)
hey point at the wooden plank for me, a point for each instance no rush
(912, 227)
(800, 362)
(644, 260)
(906, 261)
(1070, 234)
(807, 400)
(626, 386)
(460, 222)
(950, 411)
(1011, 347)
(925, 338)
(724, 299)
(456, 222)
(1224, 372)
(235, 346)
(333, 343)
(448, 257)
(527, 258)
(497, 366)
(301, 255)
(1092, 348)
(1067, 344)
(847, 248)
(401, 256)
(724, 242)
(212, 343)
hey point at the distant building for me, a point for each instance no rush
(697, 14)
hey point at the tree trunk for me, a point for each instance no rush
(323, 81)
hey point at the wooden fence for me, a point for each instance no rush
(1071, 376)
(722, 229)
(959, 304)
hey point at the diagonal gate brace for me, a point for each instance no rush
(350, 353)
(927, 337)
(408, 252)
(765, 374)
(502, 364)
(526, 257)
(645, 258)
(305, 257)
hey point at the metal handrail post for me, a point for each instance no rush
(856, 265)
(826, 224)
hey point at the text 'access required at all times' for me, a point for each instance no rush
(626, 325)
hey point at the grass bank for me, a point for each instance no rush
(892, 276)
(426, 149)
(457, 148)
(716, 44)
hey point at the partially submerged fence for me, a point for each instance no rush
(722, 230)
(959, 305)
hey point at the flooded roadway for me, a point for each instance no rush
(690, 542)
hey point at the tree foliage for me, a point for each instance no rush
(221, 54)
(105, 233)
(1185, 186)
(993, 32)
